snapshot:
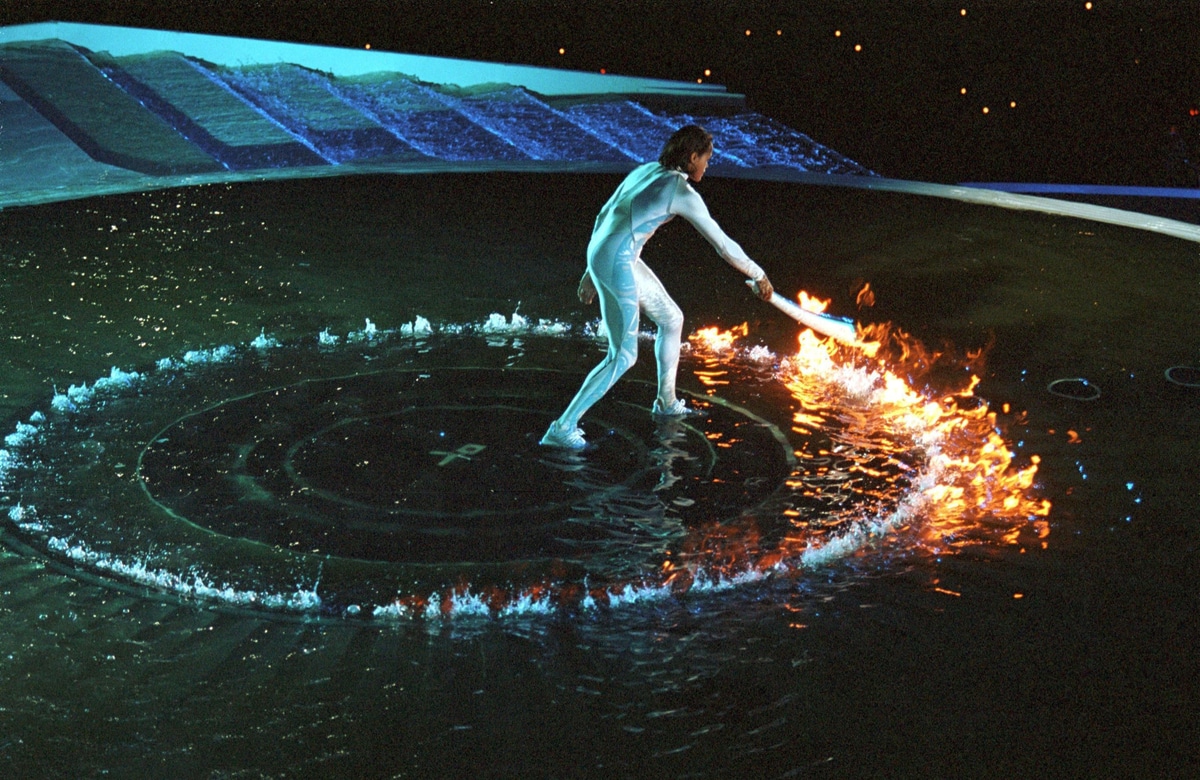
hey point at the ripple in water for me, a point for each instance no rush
(397, 475)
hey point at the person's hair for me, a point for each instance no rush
(683, 143)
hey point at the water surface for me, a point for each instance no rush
(966, 658)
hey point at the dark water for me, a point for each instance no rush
(1072, 655)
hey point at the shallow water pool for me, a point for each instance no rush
(969, 651)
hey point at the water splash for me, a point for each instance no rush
(936, 466)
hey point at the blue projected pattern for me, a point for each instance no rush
(167, 114)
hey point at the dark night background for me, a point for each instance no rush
(1104, 95)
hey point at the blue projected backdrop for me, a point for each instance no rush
(110, 122)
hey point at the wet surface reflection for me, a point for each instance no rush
(868, 663)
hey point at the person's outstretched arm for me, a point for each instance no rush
(688, 204)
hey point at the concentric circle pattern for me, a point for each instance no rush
(437, 466)
(395, 475)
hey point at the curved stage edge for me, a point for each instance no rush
(963, 193)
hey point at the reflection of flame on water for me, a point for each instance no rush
(717, 340)
(882, 456)
(948, 479)
(968, 486)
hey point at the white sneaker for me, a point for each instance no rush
(567, 440)
(677, 409)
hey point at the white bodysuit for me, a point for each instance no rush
(650, 196)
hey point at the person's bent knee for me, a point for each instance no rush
(626, 359)
(671, 320)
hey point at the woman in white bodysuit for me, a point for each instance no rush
(651, 195)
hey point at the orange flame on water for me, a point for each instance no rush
(811, 303)
(865, 297)
(950, 477)
(716, 340)
(972, 485)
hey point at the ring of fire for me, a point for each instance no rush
(251, 476)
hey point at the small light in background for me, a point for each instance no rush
(779, 32)
(562, 51)
(962, 12)
(368, 45)
(747, 33)
(962, 91)
(858, 47)
(1012, 104)
(707, 72)
(837, 33)
(986, 109)
(1087, 6)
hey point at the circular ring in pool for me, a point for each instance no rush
(395, 477)
(1184, 376)
(1075, 388)
(443, 466)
